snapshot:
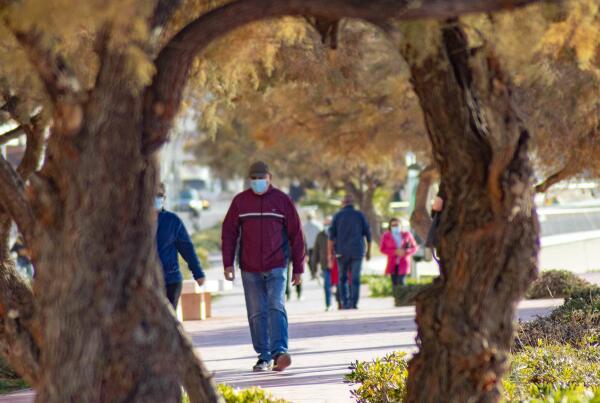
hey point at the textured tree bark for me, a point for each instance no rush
(420, 219)
(489, 229)
(108, 335)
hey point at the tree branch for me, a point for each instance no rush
(12, 198)
(553, 179)
(12, 134)
(163, 98)
(420, 219)
(33, 151)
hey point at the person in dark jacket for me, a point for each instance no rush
(264, 222)
(172, 238)
(347, 235)
(320, 258)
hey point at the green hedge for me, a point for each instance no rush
(251, 395)
(381, 380)
(542, 372)
(537, 374)
(381, 286)
(557, 284)
(576, 323)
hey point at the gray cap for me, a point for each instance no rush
(258, 168)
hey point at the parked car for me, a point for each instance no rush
(189, 200)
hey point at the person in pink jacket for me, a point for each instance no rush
(398, 246)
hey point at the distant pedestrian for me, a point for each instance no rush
(311, 230)
(321, 258)
(173, 238)
(398, 246)
(264, 222)
(348, 233)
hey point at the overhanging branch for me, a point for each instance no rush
(12, 198)
(553, 179)
(12, 134)
(174, 61)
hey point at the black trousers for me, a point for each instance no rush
(398, 279)
(173, 293)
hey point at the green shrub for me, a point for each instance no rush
(538, 374)
(557, 284)
(576, 323)
(381, 380)
(381, 286)
(541, 372)
(251, 395)
(571, 395)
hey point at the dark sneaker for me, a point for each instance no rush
(282, 361)
(262, 366)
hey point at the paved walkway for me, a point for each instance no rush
(322, 344)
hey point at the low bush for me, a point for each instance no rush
(557, 284)
(576, 323)
(381, 380)
(251, 395)
(381, 286)
(540, 372)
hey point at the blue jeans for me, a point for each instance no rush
(349, 293)
(265, 303)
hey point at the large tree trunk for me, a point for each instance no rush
(109, 335)
(489, 230)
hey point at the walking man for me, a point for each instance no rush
(311, 230)
(320, 257)
(171, 238)
(347, 234)
(264, 223)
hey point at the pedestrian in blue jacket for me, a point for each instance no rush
(350, 241)
(171, 238)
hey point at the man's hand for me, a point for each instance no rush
(297, 279)
(400, 252)
(201, 281)
(368, 255)
(229, 274)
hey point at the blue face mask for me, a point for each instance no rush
(259, 186)
(159, 203)
(396, 230)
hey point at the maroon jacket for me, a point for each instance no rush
(268, 228)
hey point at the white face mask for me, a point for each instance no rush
(159, 203)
